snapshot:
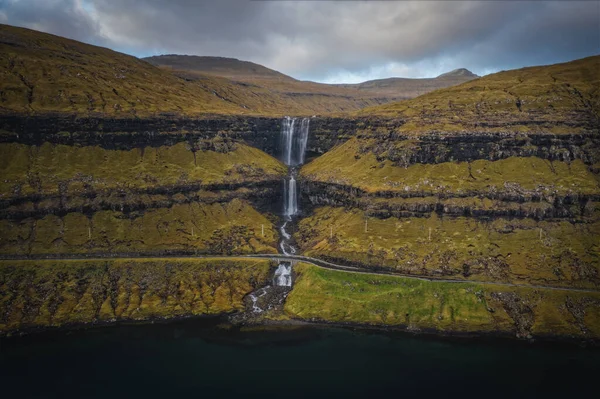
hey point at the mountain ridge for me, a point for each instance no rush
(228, 66)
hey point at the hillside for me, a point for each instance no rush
(96, 158)
(460, 72)
(46, 73)
(496, 179)
(558, 98)
(43, 73)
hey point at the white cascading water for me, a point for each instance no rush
(302, 140)
(294, 137)
(255, 296)
(291, 198)
(283, 275)
(287, 138)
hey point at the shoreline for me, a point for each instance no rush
(223, 321)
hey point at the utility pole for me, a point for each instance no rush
(330, 231)
(540, 234)
(366, 224)
(430, 234)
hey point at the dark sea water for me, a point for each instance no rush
(196, 359)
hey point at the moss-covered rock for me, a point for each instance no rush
(56, 293)
(526, 251)
(223, 228)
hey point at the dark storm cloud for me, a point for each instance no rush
(335, 40)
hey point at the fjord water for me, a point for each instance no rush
(196, 358)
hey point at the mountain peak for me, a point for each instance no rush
(459, 72)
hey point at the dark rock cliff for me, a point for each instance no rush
(125, 134)
(376, 135)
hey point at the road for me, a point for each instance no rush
(286, 258)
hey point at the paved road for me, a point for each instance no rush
(281, 257)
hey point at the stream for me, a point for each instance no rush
(294, 137)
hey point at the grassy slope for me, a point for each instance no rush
(34, 169)
(447, 307)
(53, 293)
(42, 73)
(234, 227)
(557, 95)
(47, 73)
(523, 250)
(348, 164)
(512, 250)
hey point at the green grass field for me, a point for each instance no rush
(346, 297)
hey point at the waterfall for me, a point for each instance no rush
(290, 202)
(302, 140)
(283, 275)
(287, 139)
(293, 140)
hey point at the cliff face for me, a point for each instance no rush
(67, 168)
(126, 134)
(479, 205)
(107, 185)
(512, 208)
(521, 174)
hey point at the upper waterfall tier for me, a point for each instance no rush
(294, 136)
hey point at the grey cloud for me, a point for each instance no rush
(322, 40)
(61, 17)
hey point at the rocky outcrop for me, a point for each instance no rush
(263, 195)
(509, 202)
(263, 133)
(382, 137)
(405, 150)
(519, 309)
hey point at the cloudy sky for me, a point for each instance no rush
(330, 41)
